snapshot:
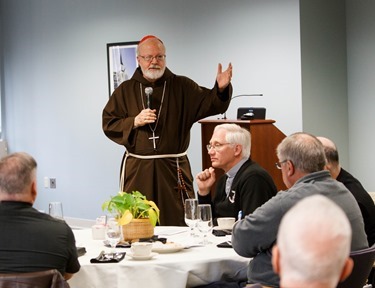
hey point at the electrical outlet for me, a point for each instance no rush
(46, 182)
(52, 183)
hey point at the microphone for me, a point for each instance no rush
(241, 95)
(148, 91)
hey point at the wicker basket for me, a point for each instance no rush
(137, 229)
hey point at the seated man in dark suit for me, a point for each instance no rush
(245, 185)
(30, 240)
(365, 202)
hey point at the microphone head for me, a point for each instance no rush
(148, 90)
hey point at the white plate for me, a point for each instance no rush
(152, 255)
(167, 248)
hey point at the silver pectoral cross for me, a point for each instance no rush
(153, 138)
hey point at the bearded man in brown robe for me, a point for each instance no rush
(151, 114)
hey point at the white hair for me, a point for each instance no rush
(314, 241)
(235, 134)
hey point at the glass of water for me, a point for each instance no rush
(191, 214)
(55, 209)
(113, 233)
(205, 224)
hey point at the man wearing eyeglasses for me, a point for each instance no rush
(245, 185)
(302, 160)
(151, 114)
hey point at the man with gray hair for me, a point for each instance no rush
(301, 160)
(245, 185)
(313, 245)
(30, 241)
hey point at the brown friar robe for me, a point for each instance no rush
(184, 104)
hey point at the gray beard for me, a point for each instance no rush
(153, 75)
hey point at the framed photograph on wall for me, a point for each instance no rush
(122, 62)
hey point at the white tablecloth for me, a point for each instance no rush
(186, 268)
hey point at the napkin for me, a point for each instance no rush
(81, 251)
(108, 258)
(118, 245)
(223, 232)
(125, 244)
(226, 244)
(154, 238)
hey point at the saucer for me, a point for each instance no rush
(167, 247)
(136, 257)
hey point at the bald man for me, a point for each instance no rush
(320, 242)
(365, 202)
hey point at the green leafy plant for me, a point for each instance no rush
(129, 206)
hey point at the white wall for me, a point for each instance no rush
(338, 63)
(55, 77)
(361, 89)
(324, 72)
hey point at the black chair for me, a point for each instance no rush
(42, 279)
(363, 262)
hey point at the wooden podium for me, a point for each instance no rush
(264, 139)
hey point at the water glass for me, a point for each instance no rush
(113, 232)
(205, 224)
(191, 214)
(55, 209)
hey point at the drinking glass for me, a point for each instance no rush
(55, 209)
(191, 214)
(205, 224)
(113, 233)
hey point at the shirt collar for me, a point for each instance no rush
(233, 171)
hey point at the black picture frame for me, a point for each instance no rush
(122, 62)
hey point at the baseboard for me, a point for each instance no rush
(79, 223)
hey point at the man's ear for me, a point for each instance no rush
(290, 168)
(347, 269)
(276, 259)
(238, 150)
(34, 192)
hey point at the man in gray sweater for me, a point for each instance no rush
(301, 161)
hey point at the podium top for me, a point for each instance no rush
(236, 121)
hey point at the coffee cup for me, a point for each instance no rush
(98, 232)
(141, 248)
(225, 222)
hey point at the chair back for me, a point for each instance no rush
(363, 262)
(42, 279)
